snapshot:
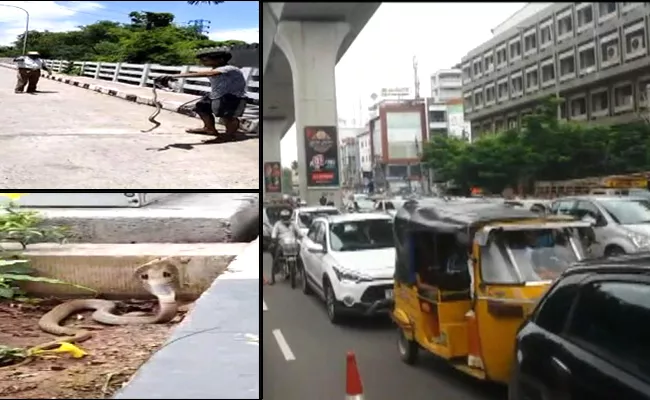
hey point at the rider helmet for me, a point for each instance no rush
(285, 216)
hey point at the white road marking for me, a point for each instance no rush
(264, 307)
(284, 346)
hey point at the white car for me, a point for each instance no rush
(349, 261)
(302, 217)
(389, 207)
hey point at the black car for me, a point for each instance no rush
(589, 336)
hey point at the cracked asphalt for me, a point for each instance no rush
(72, 138)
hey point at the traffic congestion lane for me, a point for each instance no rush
(304, 356)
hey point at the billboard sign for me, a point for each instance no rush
(456, 125)
(322, 153)
(273, 177)
(396, 92)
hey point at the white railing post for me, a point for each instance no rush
(81, 68)
(181, 82)
(62, 64)
(145, 75)
(117, 71)
(99, 66)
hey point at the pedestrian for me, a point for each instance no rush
(29, 71)
(227, 97)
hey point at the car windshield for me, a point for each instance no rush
(307, 216)
(628, 211)
(528, 256)
(361, 235)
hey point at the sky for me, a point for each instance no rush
(237, 20)
(438, 34)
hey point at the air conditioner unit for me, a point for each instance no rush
(612, 52)
(636, 43)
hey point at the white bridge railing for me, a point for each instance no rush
(142, 75)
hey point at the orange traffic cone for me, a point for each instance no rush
(353, 386)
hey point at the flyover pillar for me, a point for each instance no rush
(312, 48)
(272, 131)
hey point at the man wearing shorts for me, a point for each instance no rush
(227, 97)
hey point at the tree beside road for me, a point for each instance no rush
(543, 149)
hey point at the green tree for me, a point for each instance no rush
(287, 181)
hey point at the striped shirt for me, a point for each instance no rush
(230, 81)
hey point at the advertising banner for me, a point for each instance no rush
(321, 151)
(273, 177)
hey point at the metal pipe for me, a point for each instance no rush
(26, 25)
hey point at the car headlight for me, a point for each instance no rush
(640, 241)
(347, 276)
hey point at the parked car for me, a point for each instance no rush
(389, 206)
(302, 217)
(621, 223)
(348, 260)
(588, 336)
(534, 205)
(270, 215)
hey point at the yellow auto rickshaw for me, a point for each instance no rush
(468, 271)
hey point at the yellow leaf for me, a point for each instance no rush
(65, 347)
(12, 196)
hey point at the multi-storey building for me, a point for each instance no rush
(349, 162)
(446, 84)
(365, 154)
(593, 55)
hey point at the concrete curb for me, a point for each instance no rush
(214, 352)
(124, 94)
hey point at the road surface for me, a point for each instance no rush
(304, 356)
(70, 137)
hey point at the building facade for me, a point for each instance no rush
(365, 153)
(349, 162)
(396, 137)
(446, 84)
(593, 55)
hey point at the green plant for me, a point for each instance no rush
(11, 355)
(26, 227)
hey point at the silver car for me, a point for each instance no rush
(621, 223)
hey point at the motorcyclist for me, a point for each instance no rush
(281, 231)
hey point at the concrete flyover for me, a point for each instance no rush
(307, 40)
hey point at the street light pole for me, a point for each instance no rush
(26, 25)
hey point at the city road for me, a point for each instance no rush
(70, 137)
(304, 356)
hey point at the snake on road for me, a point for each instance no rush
(159, 277)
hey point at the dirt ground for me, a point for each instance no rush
(114, 354)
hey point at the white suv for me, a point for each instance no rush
(349, 261)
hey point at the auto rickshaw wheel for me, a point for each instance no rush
(408, 349)
(330, 303)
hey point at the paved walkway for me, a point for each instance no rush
(70, 137)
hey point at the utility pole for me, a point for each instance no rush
(416, 80)
(647, 102)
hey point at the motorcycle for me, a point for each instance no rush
(290, 249)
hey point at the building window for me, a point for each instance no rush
(516, 85)
(584, 16)
(609, 54)
(515, 50)
(626, 7)
(644, 82)
(548, 72)
(512, 122)
(502, 56)
(499, 125)
(467, 73)
(623, 97)
(437, 116)
(488, 62)
(564, 25)
(502, 90)
(545, 33)
(478, 68)
(578, 107)
(489, 94)
(478, 98)
(567, 66)
(635, 41)
(467, 101)
(532, 82)
(530, 42)
(587, 58)
(599, 103)
(606, 11)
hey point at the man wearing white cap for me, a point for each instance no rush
(29, 71)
